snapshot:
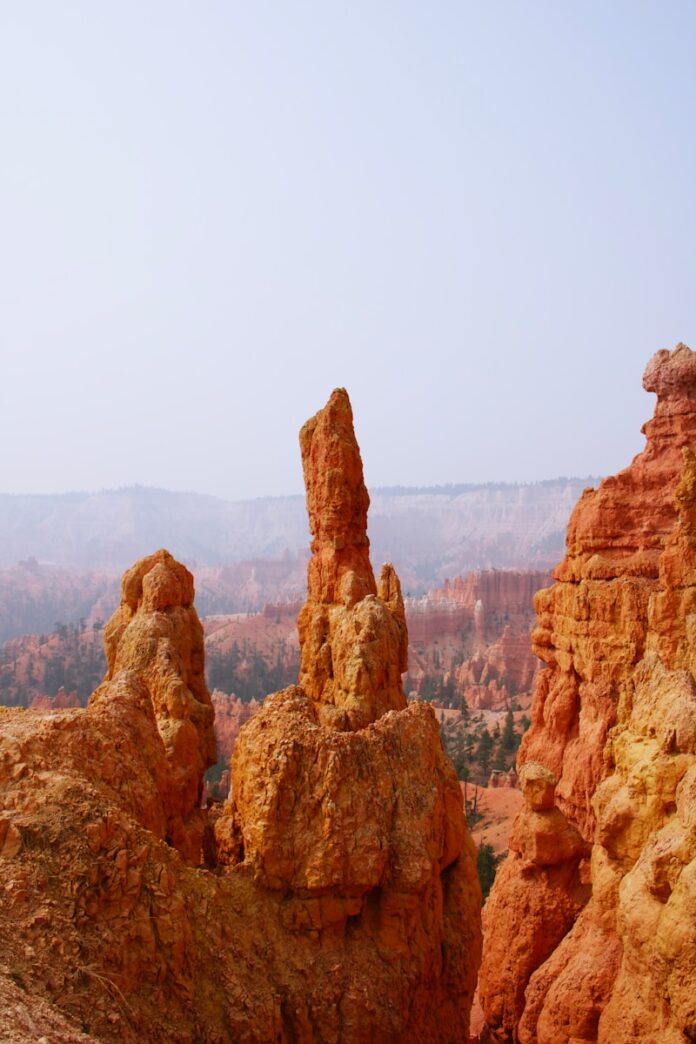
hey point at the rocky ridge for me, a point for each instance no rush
(590, 934)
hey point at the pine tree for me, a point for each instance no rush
(486, 864)
(484, 751)
(509, 740)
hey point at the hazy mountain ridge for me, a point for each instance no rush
(431, 528)
(61, 555)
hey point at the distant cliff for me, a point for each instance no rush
(61, 556)
(428, 533)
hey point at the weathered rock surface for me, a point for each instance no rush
(338, 901)
(342, 799)
(604, 949)
(156, 635)
(353, 634)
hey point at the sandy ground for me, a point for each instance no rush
(498, 806)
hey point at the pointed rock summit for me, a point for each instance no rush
(337, 505)
(343, 802)
(353, 637)
(590, 930)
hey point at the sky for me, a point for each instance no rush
(479, 218)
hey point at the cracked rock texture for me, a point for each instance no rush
(590, 927)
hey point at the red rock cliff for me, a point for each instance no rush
(590, 932)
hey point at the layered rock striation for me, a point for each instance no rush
(590, 933)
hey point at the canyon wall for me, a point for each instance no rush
(589, 928)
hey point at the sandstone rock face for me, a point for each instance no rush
(342, 799)
(590, 933)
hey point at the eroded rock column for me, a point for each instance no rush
(343, 802)
(155, 636)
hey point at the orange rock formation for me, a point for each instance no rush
(344, 905)
(156, 635)
(353, 634)
(590, 930)
(343, 802)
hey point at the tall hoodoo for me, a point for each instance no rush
(590, 932)
(343, 803)
(353, 637)
(156, 636)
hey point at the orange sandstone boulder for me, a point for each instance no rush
(605, 949)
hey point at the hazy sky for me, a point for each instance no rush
(480, 218)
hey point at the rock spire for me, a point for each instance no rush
(155, 635)
(353, 634)
(343, 802)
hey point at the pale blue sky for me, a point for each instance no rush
(479, 218)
